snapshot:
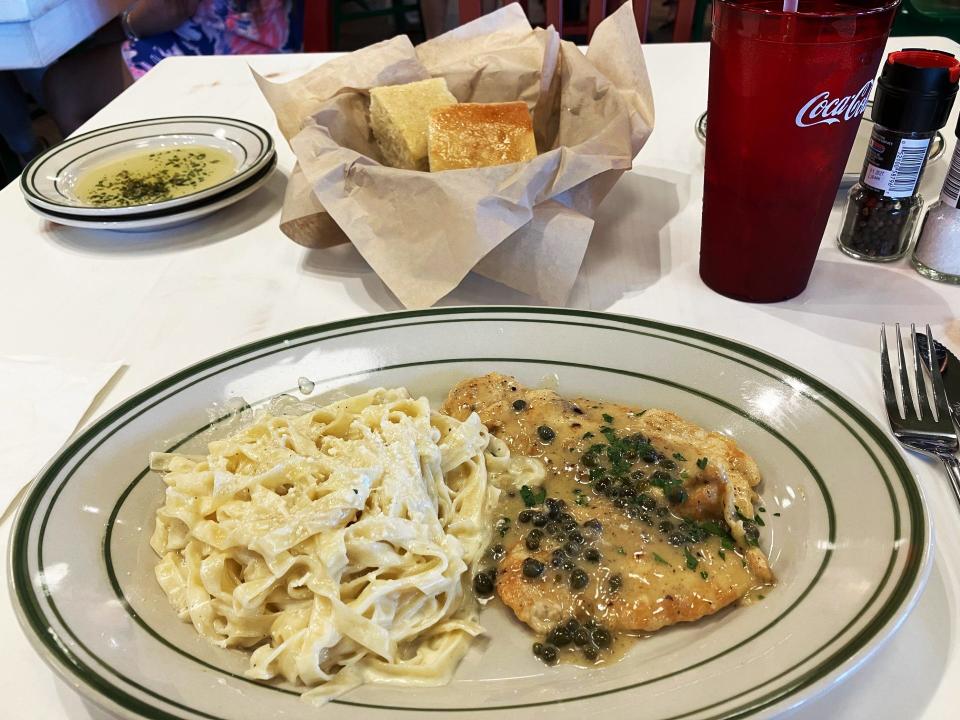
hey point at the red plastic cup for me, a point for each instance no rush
(787, 91)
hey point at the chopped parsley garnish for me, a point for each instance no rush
(608, 419)
(726, 543)
(587, 435)
(660, 559)
(533, 497)
(704, 574)
(679, 457)
(759, 520)
(692, 561)
(722, 554)
(702, 463)
(582, 500)
(622, 551)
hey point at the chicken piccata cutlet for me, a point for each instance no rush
(642, 520)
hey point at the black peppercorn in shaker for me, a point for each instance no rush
(914, 97)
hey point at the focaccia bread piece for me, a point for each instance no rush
(398, 118)
(471, 135)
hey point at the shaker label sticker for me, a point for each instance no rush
(894, 164)
(822, 110)
(950, 195)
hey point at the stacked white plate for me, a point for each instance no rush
(49, 182)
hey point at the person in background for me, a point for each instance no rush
(84, 81)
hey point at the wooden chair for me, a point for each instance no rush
(597, 10)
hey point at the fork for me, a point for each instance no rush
(918, 428)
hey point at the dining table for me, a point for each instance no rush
(151, 303)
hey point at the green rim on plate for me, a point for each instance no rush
(32, 594)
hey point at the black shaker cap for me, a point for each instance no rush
(916, 90)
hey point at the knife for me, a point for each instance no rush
(949, 369)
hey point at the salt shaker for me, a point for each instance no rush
(937, 254)
(914, 96)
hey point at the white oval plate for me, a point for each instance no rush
(48, 181)
(162, 219)
(850, 546)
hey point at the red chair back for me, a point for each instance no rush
(597, 10)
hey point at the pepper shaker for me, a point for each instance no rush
(914, 96)
(937, 254)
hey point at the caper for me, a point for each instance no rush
(569, 525)
(590, 653)
(519, 405)
(589, 460)
(602, 638)
(549, 654)
(559, 636)
(668, 464)
(646, 517)
(581, 636)
(483, 583)
(568, 565)
(591, 624)
(556, 560)
(651, 456)
(576, 536)
(539, 520)
(591, 555)
(532, 568)
(602, 485)
(533, 540)
(751, 531)
(646, 501)
(662, 476)
(572, 625)
(662, 510)
(615, 582)
(676, 494)
(566, 517)
(538, 649)
(579, 579)
(593, 525)
(620, 503)
(546, 433)
(678, 538)
(553, 528)
(555, 508)
(525, 516)
(665, 526)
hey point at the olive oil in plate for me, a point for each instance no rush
(152, 176)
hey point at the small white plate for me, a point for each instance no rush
(846, 530)
(48, 182)
(160, 219)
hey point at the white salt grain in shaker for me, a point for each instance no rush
(937, 253)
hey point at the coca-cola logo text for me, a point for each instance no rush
(821, 110)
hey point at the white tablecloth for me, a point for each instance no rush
(161, 301)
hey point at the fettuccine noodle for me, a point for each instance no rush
(336, 543)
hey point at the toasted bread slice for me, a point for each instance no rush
(398, 118)
(471, 135)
